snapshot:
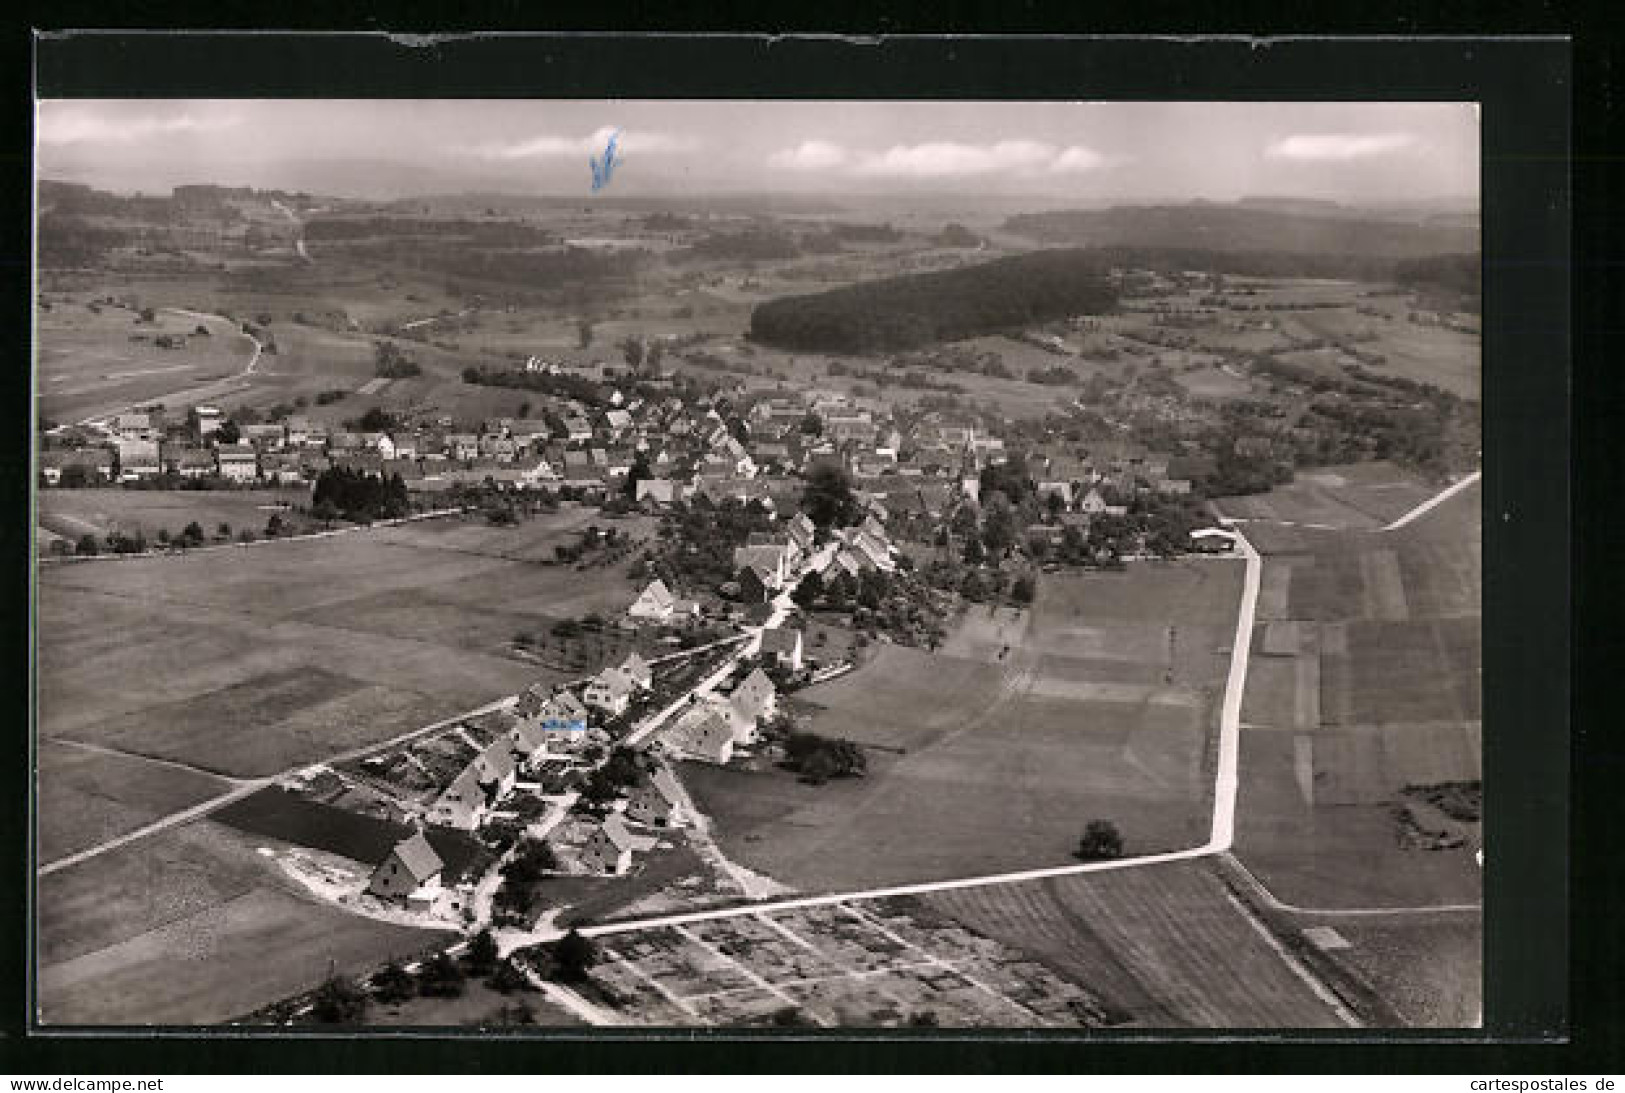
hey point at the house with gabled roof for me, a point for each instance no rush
(638, 670)
(494, 770)
(702, 732)
(411, 865)
(782, 644)
(754, 699)
(461, 804)
(657, 802)
(655, 602)
(610, 691)
(610, 847)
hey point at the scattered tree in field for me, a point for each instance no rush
(1101, 842)
(790, 1017)
(273, 526)
(87, 546)
(573, 955)
(923, 1019)
(584, 333)
(818, 758)
(246, 535)
(340, 1002)
(223, 531)
(192, 535)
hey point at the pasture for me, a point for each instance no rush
(1165, 943)
(174, 929)
(981, 764)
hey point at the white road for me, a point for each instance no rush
(1432, 502)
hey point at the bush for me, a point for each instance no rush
(394, 984)
(340, 1002)
(441, 978)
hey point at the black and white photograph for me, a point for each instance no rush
(778, 564)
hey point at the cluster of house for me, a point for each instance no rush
(543, 723)
(715, 724)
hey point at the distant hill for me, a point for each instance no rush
(1245, 227)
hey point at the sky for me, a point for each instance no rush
(1114, 152)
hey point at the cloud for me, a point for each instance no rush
(940, 159)
(79, 127)
(553, 146)
(809, 155)
(1339, 146)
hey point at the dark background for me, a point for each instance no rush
(1553, 1004)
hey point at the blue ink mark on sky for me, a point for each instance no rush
(604, 166)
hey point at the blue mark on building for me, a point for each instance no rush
(563, 724)
(603, 167)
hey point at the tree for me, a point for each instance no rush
(192, 534)
(999, 524)
(87, 546)
(812, 425)
(1022, 590)
(273, 526)
(340, 1002)
(584, 333)
(573, 955)
(223, 531)
(507, 978)
(442, 978)
(228, 433)
(808, 591)
(483, 953)
(394, 984)
(1101, 842)
(827, 498)
(632, 351)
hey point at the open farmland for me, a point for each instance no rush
(175, 929)
(72, 513)
(88, 362)
(1166, 943)
(1372, 684)
(87, 796)
(1427, 969)
(979, 764)
(250, 662)
(1358, 497)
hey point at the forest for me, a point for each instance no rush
(904, 312)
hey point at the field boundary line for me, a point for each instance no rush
(1434, 501)
(1310, 980)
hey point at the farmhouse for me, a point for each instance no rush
(412, 865)
(137, 459)
(96, 462)
(134, 427)
(783, 645)
(657, 492)
(610, 847)
(768, 560)
(638, 671)
(188, 462)
(494, 770)
(658, 802)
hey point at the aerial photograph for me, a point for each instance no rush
(557, 565)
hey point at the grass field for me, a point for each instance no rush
(72, 513)
(1089, 721)
(1360, 496)
(87, 363)
(176, 928)
(87, 797)
(1430, 971)
(1164, 943)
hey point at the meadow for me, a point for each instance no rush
(980, 763)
